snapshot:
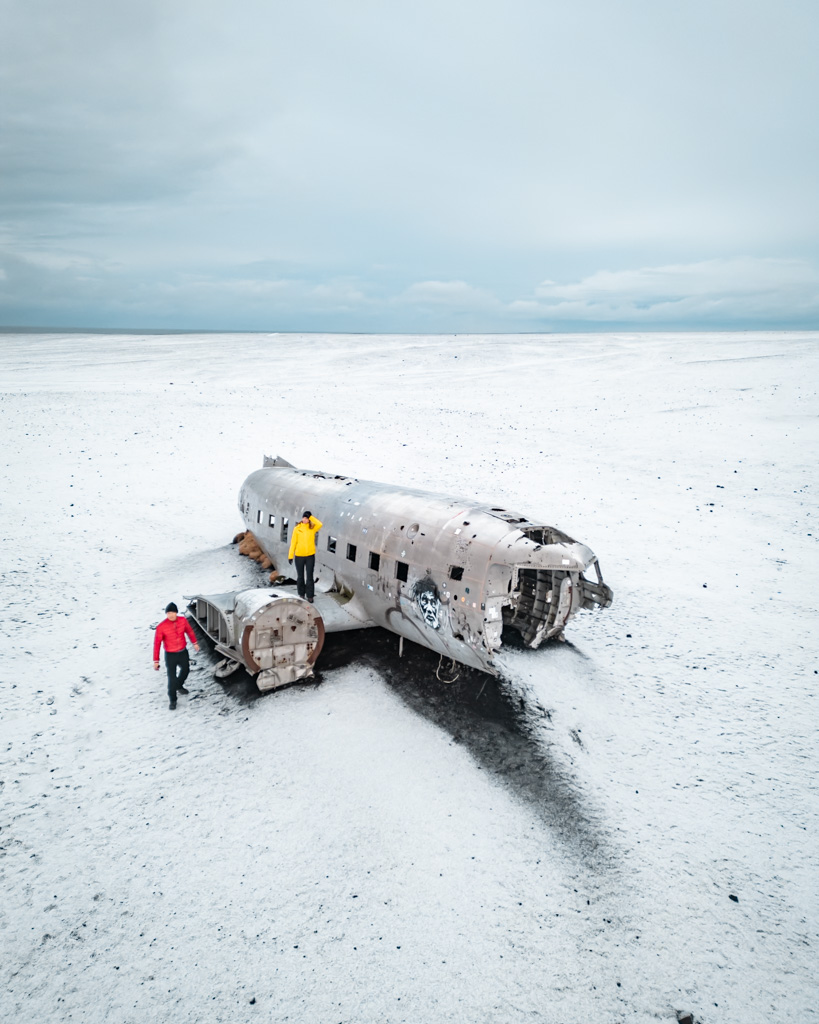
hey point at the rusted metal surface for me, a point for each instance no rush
(445, 572)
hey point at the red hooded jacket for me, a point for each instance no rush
(172, 634)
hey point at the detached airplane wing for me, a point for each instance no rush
(271, 632)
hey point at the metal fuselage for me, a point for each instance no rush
(441, 571)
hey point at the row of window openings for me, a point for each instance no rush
(373, 560)
(271, 522)
(456, 572)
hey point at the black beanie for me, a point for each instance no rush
(171, 608)
(306, 513)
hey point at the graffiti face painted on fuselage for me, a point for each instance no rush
(429, 603)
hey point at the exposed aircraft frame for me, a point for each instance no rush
(444, 572)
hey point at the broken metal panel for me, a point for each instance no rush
(594, 592)
(340, 611)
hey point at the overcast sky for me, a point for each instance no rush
(429, 166)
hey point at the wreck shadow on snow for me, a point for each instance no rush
(506, 733)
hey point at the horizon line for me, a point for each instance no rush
(59, 329)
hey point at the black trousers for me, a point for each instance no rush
(305, 566)
(178, 664)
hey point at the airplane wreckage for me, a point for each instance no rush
(444, 572)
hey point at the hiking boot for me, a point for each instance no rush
(181, 689)
(172, 706)
(310, 599)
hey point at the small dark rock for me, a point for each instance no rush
(734, 898)
(684, 1017)
(253, 1001)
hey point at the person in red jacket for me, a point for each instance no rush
(173, 632)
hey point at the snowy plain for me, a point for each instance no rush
(639, 838)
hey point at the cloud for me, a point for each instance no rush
(741, 289)
(93, 111)
(745, 292)
(166, 152)
(713, 278)
(268, 296)
(447, 293)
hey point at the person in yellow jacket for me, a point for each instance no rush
(303, 549)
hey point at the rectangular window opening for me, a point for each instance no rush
(331, 545)
(259, 516)
(401, 571)
(375, 561)
(456, 572)
(351, 552)
(285, 524)
(271, 520)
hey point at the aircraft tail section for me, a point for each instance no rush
(276, 462)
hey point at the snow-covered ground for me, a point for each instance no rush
(359, 852)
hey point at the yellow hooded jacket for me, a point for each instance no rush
(303, 541)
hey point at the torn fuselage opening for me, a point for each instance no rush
(546, 535)
(542, 602)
